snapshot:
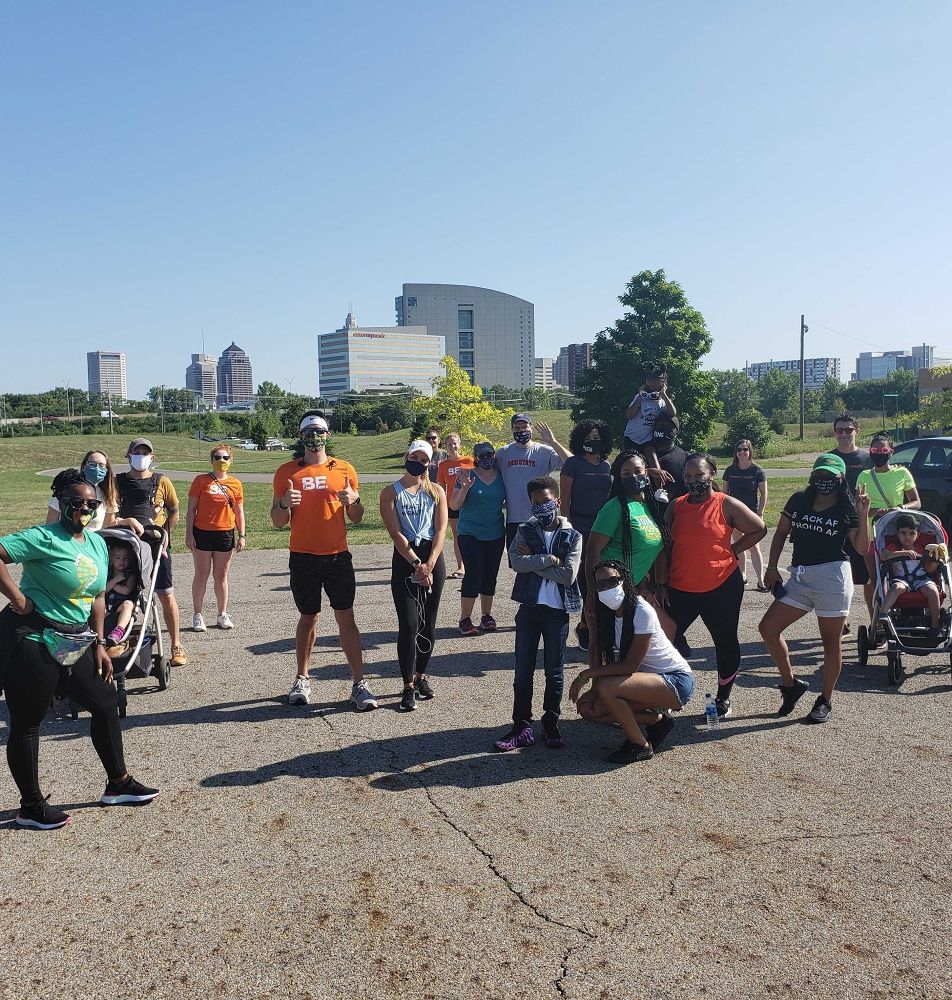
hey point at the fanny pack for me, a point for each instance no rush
(67, 649)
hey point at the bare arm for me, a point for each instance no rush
(190, 522)
(912, 501)
(388, 512)
(283, 504)
(762, 495)
(441, 519)
(634, 407)
(740, 517)
(565, 494)
(20, 603)
(461, 492)
(672, 410)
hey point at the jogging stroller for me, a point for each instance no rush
(145, 655)
(906, 628)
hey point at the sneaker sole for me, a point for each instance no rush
(33, 824)
(298, 701)
(406, 708)
(127, 800)
(367, 707)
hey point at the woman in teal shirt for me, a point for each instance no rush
(46, 645)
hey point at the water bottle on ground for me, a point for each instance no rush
(710, 712)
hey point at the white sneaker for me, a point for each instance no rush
(198, 623)
(661, 495)
(224, 621)
(362, 698)
(300, 693)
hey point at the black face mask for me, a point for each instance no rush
(664, 435)
(635, 484)
(699, 487)
(593, 446)
(825, 485)
(415, 468)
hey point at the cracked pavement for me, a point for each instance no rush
(317, 853)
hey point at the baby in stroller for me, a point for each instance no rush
(911, 565)
(122, 589)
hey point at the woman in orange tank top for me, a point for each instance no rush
(704, 579)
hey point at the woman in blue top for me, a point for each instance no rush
(414, 512)
(46, 645)
(479, 496)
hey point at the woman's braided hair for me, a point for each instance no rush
(654, 508)
(65, 480)
(605, 617)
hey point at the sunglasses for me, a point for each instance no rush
(89, 505)
(609, 583)
(220, 458)
(845, 430)
(432, 437)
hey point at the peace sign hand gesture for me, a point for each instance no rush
(862, 500)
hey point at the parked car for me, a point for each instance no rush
(930, 462)
(275, 444)
(248, 445)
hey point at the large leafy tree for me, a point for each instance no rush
(659, 325)
(779, 392)
(458, 405)
(736, 392)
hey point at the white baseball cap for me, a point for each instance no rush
(314, 422)
(423, 446)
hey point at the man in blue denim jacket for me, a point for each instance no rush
(546, 555)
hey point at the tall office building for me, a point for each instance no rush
(491, 334)
(106, 372)
(571, 362)
(815, 370)
(543, 373)
(201, 377)
(356, 358)
(879, 364)
(235, 381)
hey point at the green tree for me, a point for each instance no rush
(458, 405)
(172, 400)
(935, 409)
(736, 391)
(779, 392)
(264, 424)
(750, 424)
(271, 397)
(659, 325)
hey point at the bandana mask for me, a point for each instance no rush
(635, 484)
(546, 513)
(314, 440)
(699, 488)
(486, 461)
(522, 437)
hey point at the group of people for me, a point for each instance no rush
(638, 548)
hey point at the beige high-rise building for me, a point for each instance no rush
(106, 372)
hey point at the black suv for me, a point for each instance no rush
(930, 462)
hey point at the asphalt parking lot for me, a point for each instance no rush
(318, 853)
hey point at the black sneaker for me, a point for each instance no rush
(658, 732)
(723, 706)
(791, 695)
(821, 711)
(630, 753)
(553, 736)
(581, 633)
(423, 689)
(127, 793)
(408, 701)
(42, 816)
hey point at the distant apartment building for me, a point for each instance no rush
(356, 358)
(571, 362)
(880, 364)
(234, 377)
(543, 373)
(815, 370)
(106, 372)
(202, 378)
(491, 334)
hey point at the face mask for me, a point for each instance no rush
(545, 513)
(880, 457)
(825, 486)
(613, 598)
(415, 468)
(521, 437)
(66, 517)
(635, 484)
(593, 446)
(94, 474)
(221, 464)
(140, 462)
(314, 440)
(699, 488)
(664, 435)
(486, 461)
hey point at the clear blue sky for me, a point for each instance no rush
(250, 169)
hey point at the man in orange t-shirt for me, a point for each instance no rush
(447, 473)
(312, 493)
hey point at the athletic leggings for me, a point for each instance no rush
(33, 678)
(417, 622)
(719, 609)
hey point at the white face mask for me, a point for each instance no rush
(140, 462)
(613, 598)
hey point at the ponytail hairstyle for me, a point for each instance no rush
(605, 618)
(647, 497)
(430, 488)
(65, 481)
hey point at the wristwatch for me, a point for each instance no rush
(281, 504)
(101, 642)
(416, 562)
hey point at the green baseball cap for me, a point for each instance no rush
(830, 463)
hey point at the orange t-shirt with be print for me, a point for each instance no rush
(317, 526)
(449, 470)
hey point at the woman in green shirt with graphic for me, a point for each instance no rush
(889, 487)
(47, 646)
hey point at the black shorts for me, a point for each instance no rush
(310, 573)
(858, 568)
(163, 581)
(454, 514)
(213, 541)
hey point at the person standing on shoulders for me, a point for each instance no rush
(449, 471)
(745, 480)
(146, 497)
(312, 492)
(414, 512)
(439, 454)
(650, 402)
(216, 506)
(845, 429)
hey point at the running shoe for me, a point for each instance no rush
(127, 793)
(658, 732)
(553, 736)
(424, 689)
(198, 623)
(821, 711)
(224, 621)
(581, 633)
(630, 753)
(300, 693)
(521, 735)
(179, 656)
(488, 623)
(723, 706)
(42, 816)
(791, 695)
(407, 701)
(362, 698)
(467, 627)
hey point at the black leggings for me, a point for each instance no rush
(719, 609)
(33, 678)
(417, 622)
(481, 560)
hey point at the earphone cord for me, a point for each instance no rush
(419, 595)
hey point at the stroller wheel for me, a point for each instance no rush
(894, 671)
(862, 645)
(123, 699)
(163, 672)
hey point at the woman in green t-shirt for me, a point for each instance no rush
(47, 645)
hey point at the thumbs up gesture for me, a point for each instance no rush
(348, 494)
(292, 496)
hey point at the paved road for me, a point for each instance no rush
(316, 853)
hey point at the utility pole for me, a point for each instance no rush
(162, 408)
(109, 404)
(803, 331)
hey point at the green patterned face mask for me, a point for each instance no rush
(67, 649)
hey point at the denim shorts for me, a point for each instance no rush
(682, 684)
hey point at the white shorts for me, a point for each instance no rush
(826, 589)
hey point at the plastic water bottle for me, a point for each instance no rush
(710, 712)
